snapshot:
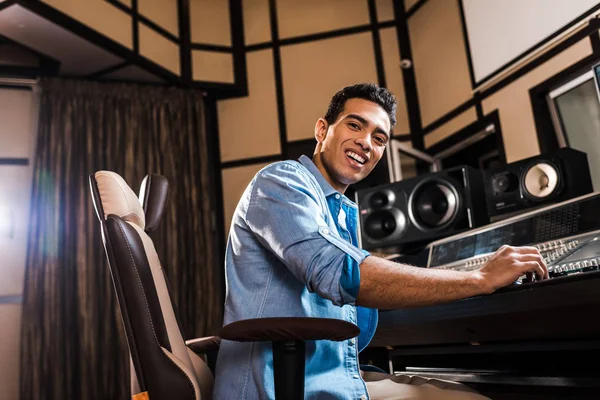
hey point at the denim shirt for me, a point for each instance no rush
(292, 252)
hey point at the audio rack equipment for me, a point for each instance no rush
(567, 235)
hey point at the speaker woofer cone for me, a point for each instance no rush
(384, 223)
(434, 205)
(540, 180)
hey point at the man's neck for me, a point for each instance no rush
(323, 169)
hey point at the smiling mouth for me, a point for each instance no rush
(356, 157)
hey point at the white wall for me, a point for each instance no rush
(18, 116)
(500, 31)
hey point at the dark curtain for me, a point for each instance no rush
(73, 343)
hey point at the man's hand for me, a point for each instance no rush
(388, 285)
(508, 263)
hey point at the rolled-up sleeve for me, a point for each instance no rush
(288, 218)
(350, 279)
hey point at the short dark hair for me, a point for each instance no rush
(366, 91)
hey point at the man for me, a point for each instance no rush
(292, 251)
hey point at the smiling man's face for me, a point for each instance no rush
(348, 150)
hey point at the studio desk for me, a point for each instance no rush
(533, 339)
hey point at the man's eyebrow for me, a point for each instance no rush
(365, 122)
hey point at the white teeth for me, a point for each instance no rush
(356, 157)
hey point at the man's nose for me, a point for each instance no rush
(364, 141)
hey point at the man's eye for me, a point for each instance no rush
(354, 125)
(380, 140)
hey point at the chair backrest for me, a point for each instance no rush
(162, 364)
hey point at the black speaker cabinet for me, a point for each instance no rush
(406, 215)
(536, 181)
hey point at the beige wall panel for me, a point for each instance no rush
(257, 25)
(440, 59)
(248, 126)
(159, 49)
(15, 196)
(450, 127)
(514, 104)
(235, 181)
(297, 18)
(161, 12)
(210, 22)
(212, 66)
(18, 132)
(393, 76)
(409, 3)
(385, 10)
(17, 123)
(313, 72)
(95, 14)
(10, 332)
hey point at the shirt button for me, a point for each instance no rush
(337, 195)
(352, 341)
(363, 397)
(325, 231)
(356, 376)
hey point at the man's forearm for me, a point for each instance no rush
(388, 285)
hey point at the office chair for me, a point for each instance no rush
(164, 366)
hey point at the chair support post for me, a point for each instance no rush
(288, 368)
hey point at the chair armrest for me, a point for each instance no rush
(289, 328)
(204, 344)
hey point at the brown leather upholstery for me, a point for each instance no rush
(153, 195)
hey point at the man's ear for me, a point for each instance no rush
(321, 128)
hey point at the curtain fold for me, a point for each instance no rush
(73, 343)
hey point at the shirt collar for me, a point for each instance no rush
(328, 190)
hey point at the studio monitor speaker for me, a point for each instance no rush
(536, 181)
(406, 215)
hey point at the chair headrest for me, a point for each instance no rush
(118, 198)
(153, 197)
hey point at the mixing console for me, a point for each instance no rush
(566, 234)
